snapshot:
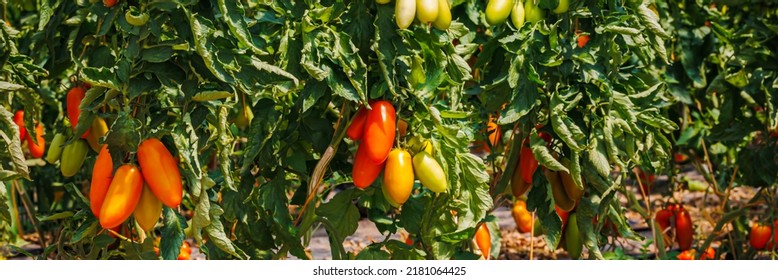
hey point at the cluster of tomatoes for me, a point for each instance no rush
(184, 253)
(375, 129)
(436, 12)
(72, 155)
(760, 234)
(675, 216)
(115, 196)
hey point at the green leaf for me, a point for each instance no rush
(210, 95)
(173, 225)
(341, 213)
(543, 155)
(12, 146)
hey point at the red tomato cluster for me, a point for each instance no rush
(375, 129)
(709, 254)
(676, 216)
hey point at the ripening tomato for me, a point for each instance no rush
(582, 40)
(98, 129)
(122, 196)
(484, 240)
(148, 210)
(185, 247)
(444, 15)
(684, 230)
(38, 147)
(380, 130)
(109, 3)
(160, 171)
(429, 172)
(409, 241)
(402, 127)
(497, 11)
(74, 97)
(357, 127)
(759, 236)
(427, 10)
(522, 216)
(398, 176)
(405, 12)
(73, 156)
(528, 164)
(382, 1)
(19, 121)
(365, 171)
(663, 218)
(517, 14)
(102, 175)
(184, 256)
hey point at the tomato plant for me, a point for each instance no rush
(254, 123)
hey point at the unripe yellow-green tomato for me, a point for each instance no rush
(73, 156)
(563, 6)
(533, 13)
(427, 10)
(382, 1)
(55, 148)
(429, 172)
(444, 15)
(517, 14)
(497, 11)
(404, 12)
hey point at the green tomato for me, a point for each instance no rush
(427, 10)
(573, 241)
(497, 11)
(533, 13)
(136, 18)
(382, 1)
(429, 172)
(563, 6)
(404, 12)
(444, 15)
(55, 148)
(517, 14)
(73, 156)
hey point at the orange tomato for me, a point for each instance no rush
(365, 171)
(484, 240)
(160, 171)
(583, 40)
(527, 164)
(380, 130)
(37, 150)
(122, 196)
(109, 3)
(102, 174)
(184, 256)
(398, 176)
(522, 216)
(562, 215)
(494, 131)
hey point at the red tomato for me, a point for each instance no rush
(19, 121)
(102, 174)
(184, 256)
(109, 3)
(74, 97)
(365, 170)
(357, 127)
(380, 130)
(583, 40)
(528, 164)
(684, 230)
(759, 236)
(37, 150)
(546, 137)
(160, 171)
